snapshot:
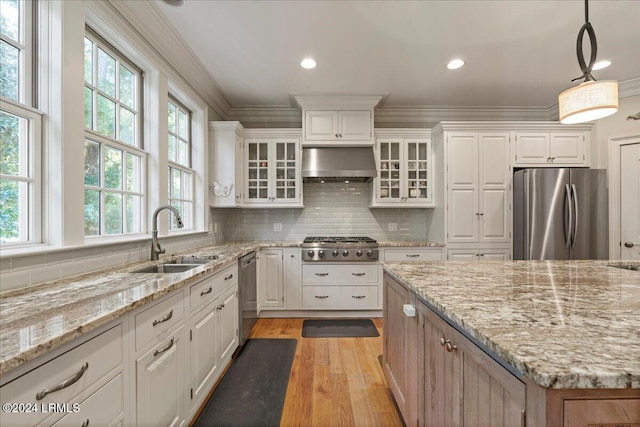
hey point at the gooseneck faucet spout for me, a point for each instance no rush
(156, 250)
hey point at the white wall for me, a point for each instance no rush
(614, 126)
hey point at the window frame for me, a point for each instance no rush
(114, 142)
(30, 225)
(189, 221)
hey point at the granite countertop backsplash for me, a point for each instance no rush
(563, 324)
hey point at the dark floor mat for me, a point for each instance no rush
(252, 391)
(335, 328)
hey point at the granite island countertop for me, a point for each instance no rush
(38, 319)
(562, 324)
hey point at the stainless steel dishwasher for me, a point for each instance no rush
(247, 295)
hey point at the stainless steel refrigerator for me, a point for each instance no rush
(560, 213)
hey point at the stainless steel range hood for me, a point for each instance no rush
(333, 164)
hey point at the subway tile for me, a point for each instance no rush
(28, 261)
(44, 274)
(15, 280)
(72, 268)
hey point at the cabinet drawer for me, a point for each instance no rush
(210, 288)
(340, 274)
(340, 297)
(153, 322)
(610, 412)
(103, 408)
(102, 355)
(413, 254)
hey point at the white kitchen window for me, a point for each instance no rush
(20, 128)
(114, 162)
(181, 174)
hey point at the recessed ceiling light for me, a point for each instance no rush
(308, 63)
(601, 64)
(454, 64)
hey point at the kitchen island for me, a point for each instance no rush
(564, 329)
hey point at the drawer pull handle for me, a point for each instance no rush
(85, 423)
(322, 274)
(358, 274)
(229, 277)
(412, 255)
(208, 291)
(358, 296)
(162, 350)
(322, 296)
(64, 384)
(164, 319)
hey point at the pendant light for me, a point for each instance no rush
(590, 100)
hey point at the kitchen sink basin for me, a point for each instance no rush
(191, 261)
(167, 268)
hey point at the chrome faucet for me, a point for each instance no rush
(155, 246)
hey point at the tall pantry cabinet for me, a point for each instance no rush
(477, 197)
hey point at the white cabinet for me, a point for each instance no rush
(334, 121)
(405, 177)
(344, 286)
(413, 254)
(272, 172)
(478, 188)
(160, 382)
(213, 334)
(343, 126)
(551, 149)
(292, 285)
(479, 254)
(270, 287)
(72, 378)
(226, 164)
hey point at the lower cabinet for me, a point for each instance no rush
(400, 361)
(160, 383)
(213, 334)
(270, 287)
(447, 380)
(462, 384)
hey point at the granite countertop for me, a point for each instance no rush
(38, 319)
(563, 324)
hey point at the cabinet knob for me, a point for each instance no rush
(447, 345)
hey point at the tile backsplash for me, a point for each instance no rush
(331, 209)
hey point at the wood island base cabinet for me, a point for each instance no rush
(450, 380)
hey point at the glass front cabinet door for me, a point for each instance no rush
(272, 172)
(404, 173)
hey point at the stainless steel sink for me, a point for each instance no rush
(191, 261)
(167, 268)
(626, 266)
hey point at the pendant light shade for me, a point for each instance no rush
(591, 100)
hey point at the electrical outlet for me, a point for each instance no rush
(277, 226)
(393, 226)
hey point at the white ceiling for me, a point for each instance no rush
(518, 53)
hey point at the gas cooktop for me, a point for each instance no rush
(332, 249)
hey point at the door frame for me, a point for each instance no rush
(615, 147)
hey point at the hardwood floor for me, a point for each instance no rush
(334, 381)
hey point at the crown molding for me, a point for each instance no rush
(149, 21)
(289, 116)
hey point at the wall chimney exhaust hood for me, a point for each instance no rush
(338, 164)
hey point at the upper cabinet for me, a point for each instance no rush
(272, 172)
(226, 164)
(332, 121)
(254, 167)
(404, 163)
(557, 148)
(345, 126)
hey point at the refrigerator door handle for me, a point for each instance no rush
(574, 194)
(568, 228)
